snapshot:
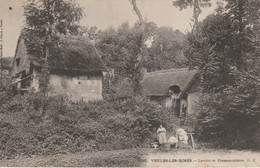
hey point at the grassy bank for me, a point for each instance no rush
(117, 158)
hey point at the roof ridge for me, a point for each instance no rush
(86, 52)
(168, 70)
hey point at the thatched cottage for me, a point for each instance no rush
(174, 88)
(75, 69)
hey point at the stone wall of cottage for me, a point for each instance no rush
(77, 88)
(193, 97)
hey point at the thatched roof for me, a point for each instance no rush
(74, 53)
(21, 54)
(158, 83)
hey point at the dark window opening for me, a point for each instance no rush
(174, 89)
(18, 61)
(176, 107)
(25, 83)
(184, 110)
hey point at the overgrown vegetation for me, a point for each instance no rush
(45, 21)
(225, 49)
(164, 46)
(68, 128)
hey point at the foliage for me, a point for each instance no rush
(133, 69)
(231, 118)
(197, 5)
(7, 63)
(166, 50)
(5, 90)
(47, 18)
(133, 59)
(121, 50)
(68, 128)
(189, 3)
(225, 50)
(220, 47)
(120, 47)
(134, 65)
(44, 80)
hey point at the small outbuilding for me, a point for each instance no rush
(76, 70)
(174, 88)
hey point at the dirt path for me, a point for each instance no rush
(119, 158)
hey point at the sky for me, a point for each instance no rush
(103, 14)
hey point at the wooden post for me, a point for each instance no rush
(192, 140)
(177, 144)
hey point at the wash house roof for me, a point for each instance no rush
(158, 83)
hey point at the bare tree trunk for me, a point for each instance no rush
(138, 67)
(44, 81)
(196, 12)
(137, 11)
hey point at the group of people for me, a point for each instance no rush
(181, 136)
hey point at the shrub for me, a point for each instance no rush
(227, 127)
(67, 127)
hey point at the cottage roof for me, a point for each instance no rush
(158, 83)
(75, 53)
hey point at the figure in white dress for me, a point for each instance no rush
(182, 135)
(161, 132)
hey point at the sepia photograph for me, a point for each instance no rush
(129, 83)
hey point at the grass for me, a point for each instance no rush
(117, 158)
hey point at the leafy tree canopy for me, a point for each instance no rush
(45, 19)
(166, 50)
(164, 46)
(196, 4)
(226, 50)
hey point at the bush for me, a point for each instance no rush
(227, 127)
(66, 127)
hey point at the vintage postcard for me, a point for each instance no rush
(129, 83)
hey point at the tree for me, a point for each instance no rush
(166, 50)
(225, 50)
(7, 63)
(45, 20)
(134, 64)
(223, 43)
(120, 48)
(197, 5)
(163, 47)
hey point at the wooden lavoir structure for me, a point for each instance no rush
(174, 88)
